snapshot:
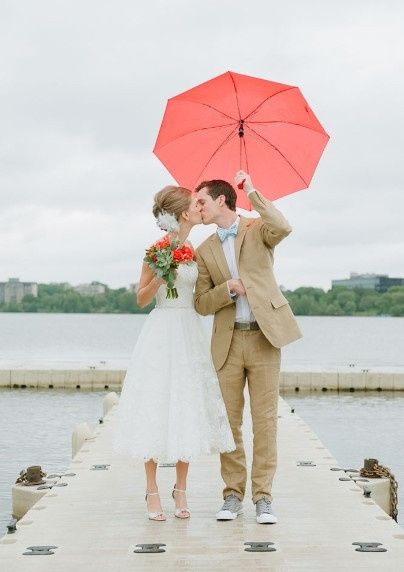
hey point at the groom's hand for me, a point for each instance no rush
(236, 286)
(243, 181)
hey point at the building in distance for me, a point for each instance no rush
(14, 290)
(90, 289)
(378, 282)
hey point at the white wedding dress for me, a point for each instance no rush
(171, 407)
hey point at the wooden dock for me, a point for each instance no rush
(97, 520)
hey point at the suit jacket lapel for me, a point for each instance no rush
(217, 251)
(242, 229)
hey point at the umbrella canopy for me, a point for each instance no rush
(234, 122)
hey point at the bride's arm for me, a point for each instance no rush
(148, 285)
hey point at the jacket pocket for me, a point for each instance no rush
(278, 300)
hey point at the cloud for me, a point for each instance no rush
(83, 91)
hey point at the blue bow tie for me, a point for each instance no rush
(223, 233)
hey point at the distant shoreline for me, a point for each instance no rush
(304, 301)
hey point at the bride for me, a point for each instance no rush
(171, 409)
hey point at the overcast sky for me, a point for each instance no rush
(83, 87)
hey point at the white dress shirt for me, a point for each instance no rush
(243, 309)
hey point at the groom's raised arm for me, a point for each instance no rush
(208, 297)
(274, 227)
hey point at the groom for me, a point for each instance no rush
(252, 320)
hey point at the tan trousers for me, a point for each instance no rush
(252, 357)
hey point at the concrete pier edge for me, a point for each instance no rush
(338, 379)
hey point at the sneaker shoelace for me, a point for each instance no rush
(231, 503)
(264, 506)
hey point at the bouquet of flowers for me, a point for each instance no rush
(164, 257)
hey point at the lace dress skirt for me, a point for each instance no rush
(171, 407)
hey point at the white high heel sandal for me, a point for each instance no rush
(178, 511)
(158, 516)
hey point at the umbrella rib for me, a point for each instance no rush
(266, 99)
(236, 92)
(226, 140)
(280, 153)
(288, 123)
(196, 131)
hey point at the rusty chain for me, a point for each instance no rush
(379, 471)
(22, 478)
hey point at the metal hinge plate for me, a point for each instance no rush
(259, 547)
(39, 550)
(369, 547)
(149, 548)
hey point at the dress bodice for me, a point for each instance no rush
(184, 283)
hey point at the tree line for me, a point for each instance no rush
(305, 301)
(342, 301)
(62, 299)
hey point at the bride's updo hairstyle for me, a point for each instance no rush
(173, 200)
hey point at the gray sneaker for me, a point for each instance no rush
(231, 509)
(264, 512)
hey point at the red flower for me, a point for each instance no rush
(183, 254)
(177, 255)
(163, 242)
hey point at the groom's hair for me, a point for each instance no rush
(218, 187)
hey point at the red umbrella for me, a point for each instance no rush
(234, 122)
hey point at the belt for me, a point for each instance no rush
(246, 326)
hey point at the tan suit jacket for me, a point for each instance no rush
(254, 245)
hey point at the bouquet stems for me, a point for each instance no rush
(172, 293)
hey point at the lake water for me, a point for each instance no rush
(35, 429)
(38, 340)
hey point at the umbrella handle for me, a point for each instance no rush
(241, 185)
